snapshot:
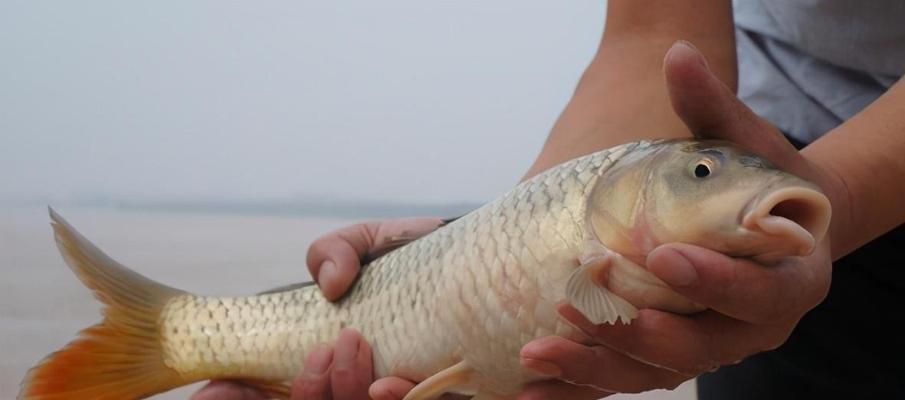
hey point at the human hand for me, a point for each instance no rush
(751, 307)
(335, 259)
(340, 372)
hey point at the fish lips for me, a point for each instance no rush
(789, 220)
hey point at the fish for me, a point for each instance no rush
(452, 308)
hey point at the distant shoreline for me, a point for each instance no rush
(346, 209)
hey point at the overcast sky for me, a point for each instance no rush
(425, 101)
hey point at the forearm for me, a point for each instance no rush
(867, 156)
(622, 95)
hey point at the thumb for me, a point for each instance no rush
(711, 110)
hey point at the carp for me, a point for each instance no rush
(450, 309)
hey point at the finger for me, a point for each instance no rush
(352, 369)
(314, 382)
(711, 110)
(226, 390)
(391, 388)
(739, 288)
(546, 390)
(597, 366)
(690, 345)
(335, 259)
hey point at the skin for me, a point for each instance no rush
(625, 95)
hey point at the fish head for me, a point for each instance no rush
(706, 193)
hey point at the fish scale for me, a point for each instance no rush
(423, 307)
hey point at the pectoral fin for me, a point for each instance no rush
(457, 379)
(585, 292)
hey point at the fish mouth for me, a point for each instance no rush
(789, 221)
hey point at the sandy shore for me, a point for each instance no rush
(42, 304)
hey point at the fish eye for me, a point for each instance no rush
(701, 171)
(702, 168)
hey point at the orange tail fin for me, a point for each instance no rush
(120, 358)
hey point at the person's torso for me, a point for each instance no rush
(808, 65)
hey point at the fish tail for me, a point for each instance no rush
(119, 358)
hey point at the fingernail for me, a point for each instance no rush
(675, 270)
(327, 268)
(345, 354)
(684, 46)
(545, 368)
(327, 273)
(318, 361)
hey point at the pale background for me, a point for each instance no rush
(206, 143)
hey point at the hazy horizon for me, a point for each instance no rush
(396, 101)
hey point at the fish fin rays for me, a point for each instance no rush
(118, 358)
(394, 242)
(287, 288)
(458, 379)
(586, 292)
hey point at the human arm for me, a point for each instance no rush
(867, 154)
(622, 94)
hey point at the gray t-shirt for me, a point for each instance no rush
(809, 65)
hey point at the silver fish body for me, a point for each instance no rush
(475, 290)
(451, 309)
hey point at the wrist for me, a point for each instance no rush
(838, 190)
